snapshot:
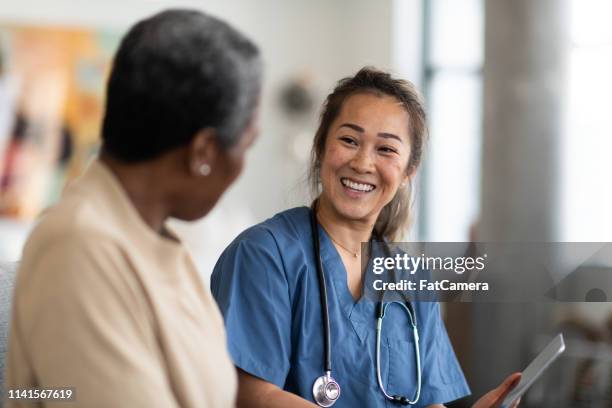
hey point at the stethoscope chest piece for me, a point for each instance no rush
(326, 390)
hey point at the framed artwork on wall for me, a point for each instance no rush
(51, 102)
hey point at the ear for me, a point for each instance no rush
(410, 173)
(202, 150)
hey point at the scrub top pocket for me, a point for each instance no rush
(401, 375)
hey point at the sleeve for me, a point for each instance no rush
(249, 284)
(443, 379)
(81, 320)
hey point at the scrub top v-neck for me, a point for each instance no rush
(267, 289)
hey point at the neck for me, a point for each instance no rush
(346, 232)
(142, 184)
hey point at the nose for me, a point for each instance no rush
(362, 161)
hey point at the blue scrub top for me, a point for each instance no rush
(267, 289)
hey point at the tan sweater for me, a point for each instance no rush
(107, 306)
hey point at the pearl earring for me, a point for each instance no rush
(205, 169)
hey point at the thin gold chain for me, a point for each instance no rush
(355, 254)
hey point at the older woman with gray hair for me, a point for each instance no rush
(107, 300)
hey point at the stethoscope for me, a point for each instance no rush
(326, 389)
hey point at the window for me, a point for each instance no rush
(453, 65)
(587, 167)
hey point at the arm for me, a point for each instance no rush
(80, 320)
(254, 393)
(251, 289)
(494, 398)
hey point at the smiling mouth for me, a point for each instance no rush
(353, 185)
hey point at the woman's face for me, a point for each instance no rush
(365, 157)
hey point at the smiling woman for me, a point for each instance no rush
(290, 288)
(394, 113)
(364, 163)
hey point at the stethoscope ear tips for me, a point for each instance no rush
(400, 400)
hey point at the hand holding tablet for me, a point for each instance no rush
(508, 394)
(535, 369)
(494, 398)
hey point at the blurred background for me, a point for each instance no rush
(518, 94)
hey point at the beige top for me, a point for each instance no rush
(107, 306)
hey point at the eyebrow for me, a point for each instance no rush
(359, 129)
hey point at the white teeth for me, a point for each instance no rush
(357, 186)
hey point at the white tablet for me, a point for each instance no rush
(535, 369)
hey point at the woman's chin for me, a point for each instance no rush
(354, 213)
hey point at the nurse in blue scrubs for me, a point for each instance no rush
(365, 153)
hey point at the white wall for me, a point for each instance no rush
(325, 39)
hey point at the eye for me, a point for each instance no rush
(348, 140)
(388, 150)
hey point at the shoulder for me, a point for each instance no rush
(289, 227)
(71, 244)
(71, 257)
(75, 223)
(269, 246)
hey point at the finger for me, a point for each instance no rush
(516, 403)
(504, 389)
(512, 380)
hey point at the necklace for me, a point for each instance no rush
(355, 254)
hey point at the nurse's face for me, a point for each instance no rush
(365, 157)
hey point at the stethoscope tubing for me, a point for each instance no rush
(381, 310)
(415, 333)
(323, 293)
